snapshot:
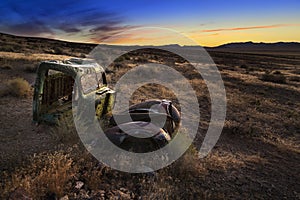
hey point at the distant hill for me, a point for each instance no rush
(20, 44)
(278, 46)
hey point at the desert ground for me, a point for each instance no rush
(256, 157)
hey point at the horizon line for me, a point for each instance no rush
(90, 43)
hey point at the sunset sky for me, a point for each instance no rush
(207, 22)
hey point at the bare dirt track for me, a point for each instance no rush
(257, 156)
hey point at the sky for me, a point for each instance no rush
(155, 22)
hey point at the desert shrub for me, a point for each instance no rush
(119, 59)
(126, 57)
(296, 71)
(118, 65)
(47, 174)
(123, 58)
(273, 77)
(65, 131)
(8, 48)
(242, 128)
(17, 87)
(82, 55)
(176, 180)
(276, 72)
(6, 67)
(251, 69)
(56, 175)
(58, 50)
(295, 78)
(243, 66)
(142, 59)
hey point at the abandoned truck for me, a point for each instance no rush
(55, 88)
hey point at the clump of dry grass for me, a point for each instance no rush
(243, 128)
(176, 180)
(64, 131)
(55, 174)
(275, 77)
(47, 174)
(153, 91)
(18, 60)
(6, 67)
(17, 87)
(244, 66)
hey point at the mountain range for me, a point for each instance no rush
(21, 44)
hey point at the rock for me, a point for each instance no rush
(79, 184)
(123, 189)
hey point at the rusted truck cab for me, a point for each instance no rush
(58, 82)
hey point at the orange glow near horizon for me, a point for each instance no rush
(203, 37)
(206, 23)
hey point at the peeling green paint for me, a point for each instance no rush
(53, 92)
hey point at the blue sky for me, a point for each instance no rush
(209, 22)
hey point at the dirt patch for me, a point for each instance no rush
(257, 156)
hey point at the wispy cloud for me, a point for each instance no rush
(248, 28)
(144, 36)
(29, 28)
(40, 20)
(104, 32)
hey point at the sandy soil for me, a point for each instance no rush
(257, 156)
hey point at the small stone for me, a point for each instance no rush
(79, 184)
(101, 192)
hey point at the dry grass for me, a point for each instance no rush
(181, 179)
(65, 131)
(256, 110)
(47, 174)
(25, 61)
(8, 56)
(224, 160)
(55, 174)
(5, 67)
(17, 87)
(152, 91)
(294, 78)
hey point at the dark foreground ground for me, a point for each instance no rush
(256, 157)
